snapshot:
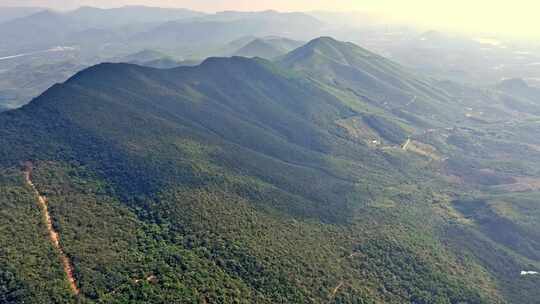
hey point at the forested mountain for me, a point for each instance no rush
(250, 181)
(376, 79)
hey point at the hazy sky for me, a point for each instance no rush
(518, 17)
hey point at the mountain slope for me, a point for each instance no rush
(375, 79)
(173, 185)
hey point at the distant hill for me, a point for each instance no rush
(520, 95)
(296, 19)
(142, 56)
(113, 31)
(10, 13)
(37, 31)
(167, 63)
(48, 29)
(349, 19)
(106, 18)
(223, 28)
(270, 47)
(154, 59)
(514, 84)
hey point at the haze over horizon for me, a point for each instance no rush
(516, 18)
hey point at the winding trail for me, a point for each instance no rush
(53, 234)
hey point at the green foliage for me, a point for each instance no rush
(229, 182)
(30, 270)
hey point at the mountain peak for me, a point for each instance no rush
(328, 44)
(345, 64)
(324, 48)
(258, 48)
(324, 40)
(88, 8)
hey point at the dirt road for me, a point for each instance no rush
(53, 234)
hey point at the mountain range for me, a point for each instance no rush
(329, 174)
(38, 46)
(93, 28)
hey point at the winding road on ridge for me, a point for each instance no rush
(53, 234)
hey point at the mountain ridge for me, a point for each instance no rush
(243, 179)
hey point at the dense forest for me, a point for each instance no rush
(250, 181)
